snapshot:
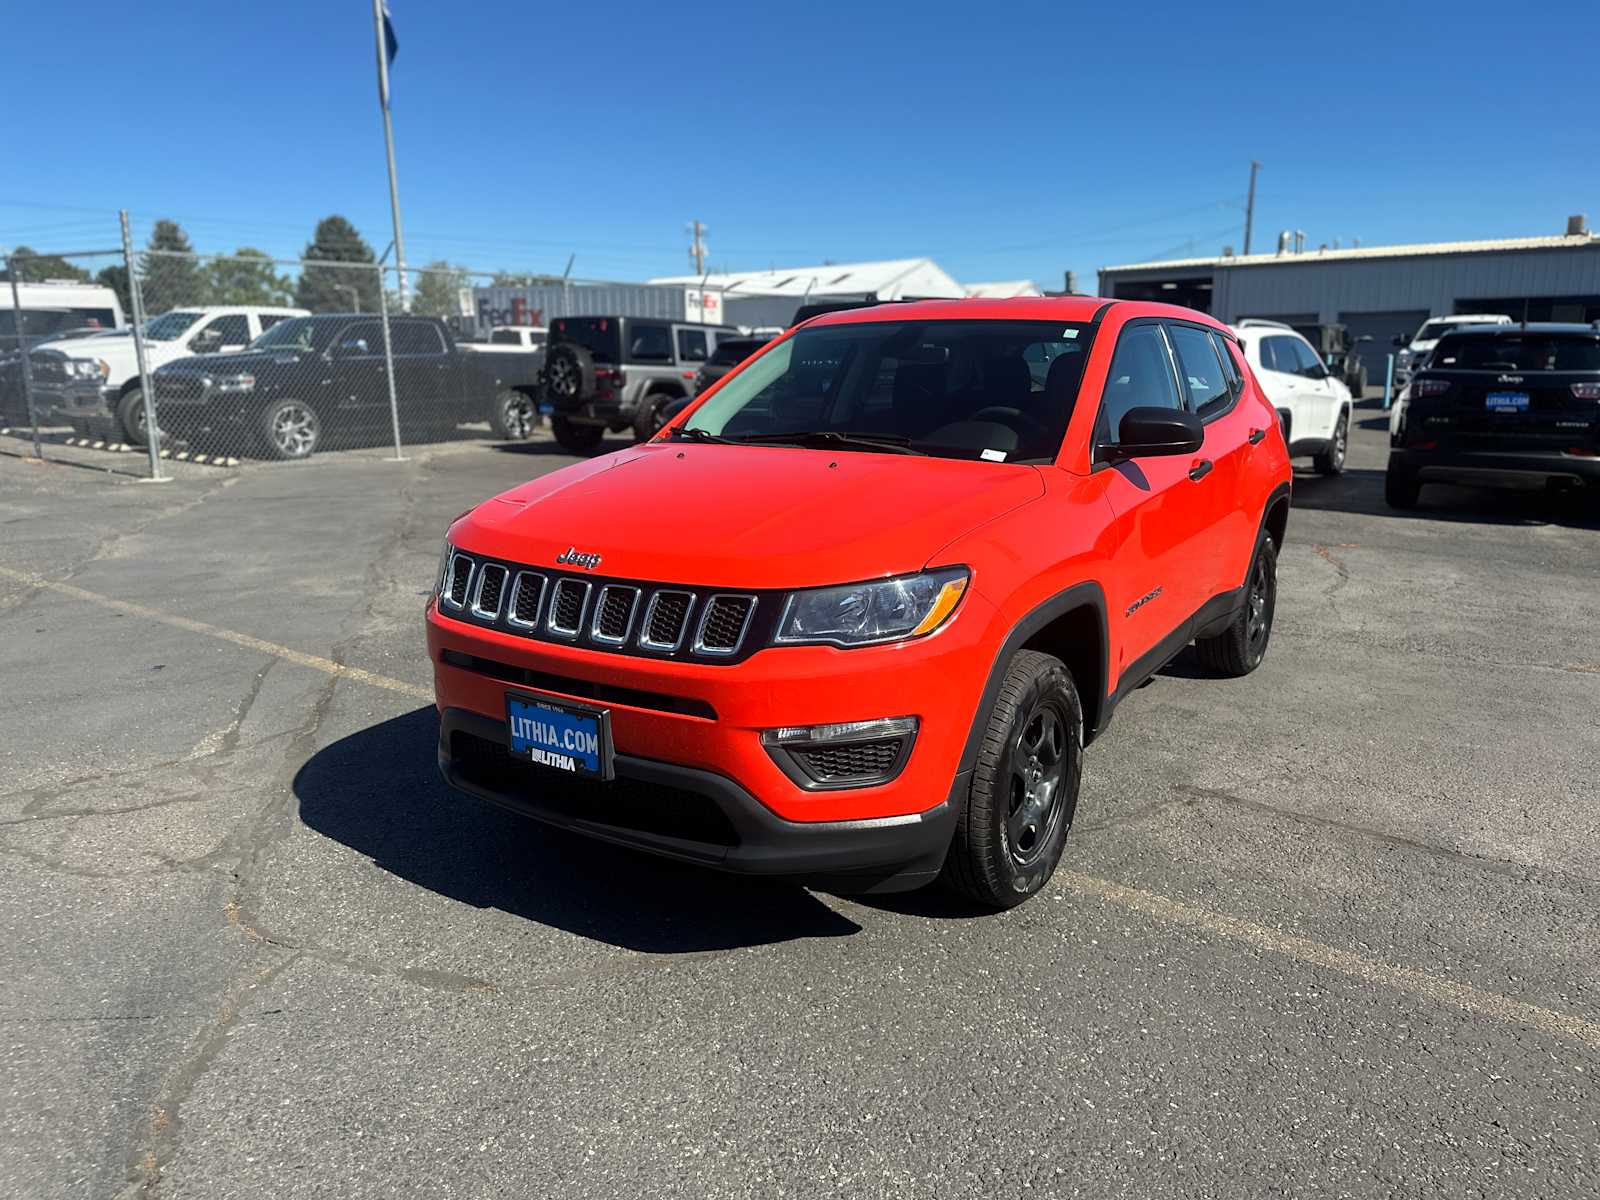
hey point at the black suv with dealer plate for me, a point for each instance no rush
(1502, 406)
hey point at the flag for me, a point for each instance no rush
(386, 52)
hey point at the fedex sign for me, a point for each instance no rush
(519, 312)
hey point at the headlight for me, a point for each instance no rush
(882, 610)
(444, 567)
(236, 383)
(89, 368)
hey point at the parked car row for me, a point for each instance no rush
(281, 382)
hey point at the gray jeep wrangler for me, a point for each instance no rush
(616, 373)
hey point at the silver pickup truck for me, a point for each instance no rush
(616, 373)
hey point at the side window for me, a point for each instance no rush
(268, 320)
(360, 339)
(229, 331)
(1277, 354)
(692, 345)
(649, 343)
(414, 337)
(506, 337)
(1230, 367)
(1206, 387)
(1310, 361)
(1140, 376)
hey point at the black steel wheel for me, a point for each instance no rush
(1024, 790)
(1239, 648)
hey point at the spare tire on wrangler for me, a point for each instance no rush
(568, 376)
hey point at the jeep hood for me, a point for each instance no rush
(747, 516)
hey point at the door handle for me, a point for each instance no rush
(1200, 470)
(1256, 435)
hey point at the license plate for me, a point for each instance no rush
(564, 737)
(1507, 402)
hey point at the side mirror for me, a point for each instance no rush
(1148, 432)
(352, 349)
(207, 341)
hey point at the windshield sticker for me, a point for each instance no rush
(1069, 333)
(994, 456)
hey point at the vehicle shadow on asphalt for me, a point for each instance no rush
(378, 792)
(1360, 490)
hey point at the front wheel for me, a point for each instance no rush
(513, 416)
(580, 439)
(290, 430)
(1331, 460)
(1401, 489)
(1239, 648)
(131, 417)
(1024, 790)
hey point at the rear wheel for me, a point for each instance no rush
(1239, 648)
(513, 416)
(290, 429)
(650, 419)
(1024, 790)
(580, 439)
(1401, 489)
(1331, 460)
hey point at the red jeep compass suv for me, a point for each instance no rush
(853, 615)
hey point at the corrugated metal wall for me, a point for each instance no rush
(541, 303)
(1434, 282)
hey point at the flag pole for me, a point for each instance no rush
(383, 35)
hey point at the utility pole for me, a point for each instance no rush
(385, 49)
(1250, 206)
(697, 248)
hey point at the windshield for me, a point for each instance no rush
(1516, 352)
(301, 334)
(731, 353)
(169, 327)
(996, 390)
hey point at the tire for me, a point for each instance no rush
(130, 417)
(1024, 790)
(513, 416)
(1401, 489)
(290, 430)
(1331, 460)
(580, 439)
(1239, 648)
(650, 419)
(568, 375)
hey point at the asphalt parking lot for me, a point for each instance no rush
(1329, 930)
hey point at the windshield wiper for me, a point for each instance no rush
(685, 434)
(891, 442)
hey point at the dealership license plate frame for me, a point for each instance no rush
(1507, 402)
(563, 709)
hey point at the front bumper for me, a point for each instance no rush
(1498, 468)
(697, 727)
(699, 816)
(81, 402)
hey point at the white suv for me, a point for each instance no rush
(177, 334)
(1313, 403)
(1414, 351)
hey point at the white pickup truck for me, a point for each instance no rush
(172, 335)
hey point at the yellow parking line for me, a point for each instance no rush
(1172, 912)
(1398, 979)
(288, 654)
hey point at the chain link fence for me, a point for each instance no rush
(223, 359)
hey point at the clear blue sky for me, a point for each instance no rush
(1002, 140)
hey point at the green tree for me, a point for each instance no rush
(33, 267)
(115, 277)
(438, 288)
(169, 272)
(246, 277)
(328, 289)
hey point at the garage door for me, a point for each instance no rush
(1383, 327)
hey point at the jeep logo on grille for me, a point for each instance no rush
(571, 555)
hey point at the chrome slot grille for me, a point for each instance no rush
(665, 619)
(525, 596)
(567, 602)
(455, 588)
(491, 590)
(613, 614)
(723, 623)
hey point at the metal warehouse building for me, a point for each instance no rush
(1381, 291)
